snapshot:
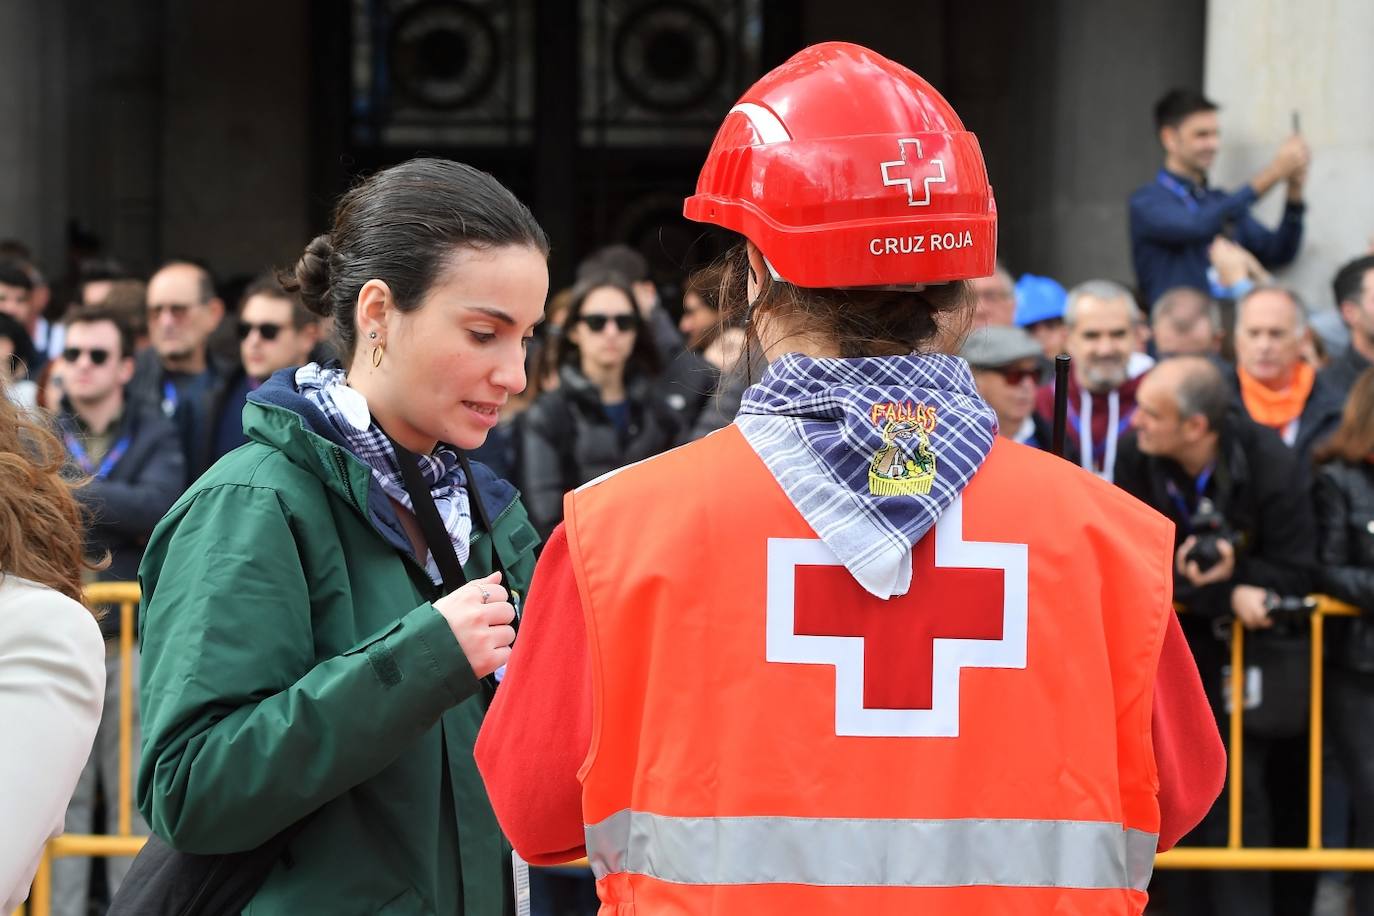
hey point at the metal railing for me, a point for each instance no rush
(122, 842)
(1313, 857)
(1231, 856)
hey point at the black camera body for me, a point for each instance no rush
(1210, 528)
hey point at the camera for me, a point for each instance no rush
(1210, 528)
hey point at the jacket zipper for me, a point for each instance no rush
(342, 467)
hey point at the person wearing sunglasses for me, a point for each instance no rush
(1007, 370)
(608, 409)
(130, 456)
(180, 373)
(275, 332)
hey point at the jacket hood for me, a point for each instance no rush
(278, 415)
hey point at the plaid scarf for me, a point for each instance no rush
(870, 451)
(347, 411)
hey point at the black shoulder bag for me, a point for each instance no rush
(167, 882)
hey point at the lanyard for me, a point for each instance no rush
(1178, 189)
(78, 453)
(1185, 511)
(169, 399)
(1116, 425)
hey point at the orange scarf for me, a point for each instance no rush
(1276, 409)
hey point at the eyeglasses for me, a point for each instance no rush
(1015, 375)
(597, 323)
(97, 355)
(178, 310)
(267, 330)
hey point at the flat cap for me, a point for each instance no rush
(998, 345)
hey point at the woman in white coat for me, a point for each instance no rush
(52, 658)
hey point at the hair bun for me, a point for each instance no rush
(312, 278)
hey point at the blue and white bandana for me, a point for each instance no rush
(871, 451)
(347, 410)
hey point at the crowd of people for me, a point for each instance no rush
(1218, 397)
(1204, 388)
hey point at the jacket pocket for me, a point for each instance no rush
(515, 541)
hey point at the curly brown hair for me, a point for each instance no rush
(42, 536)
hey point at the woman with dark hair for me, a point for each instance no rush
(854, 653)
(1344, 494)
(52, 657)
(311, 657)
(606, 411)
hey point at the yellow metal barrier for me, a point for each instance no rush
(122, 842)
(1233, 855)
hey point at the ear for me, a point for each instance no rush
(756, 271)
(1350, 312)
(1194, 427)
(126, 370)
(573, 334)
(374, 312)
(216, 307)
(1168, 138)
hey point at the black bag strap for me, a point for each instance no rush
(427, 514)
(432, 526)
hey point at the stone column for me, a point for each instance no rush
(1268, 58)
(32, 126)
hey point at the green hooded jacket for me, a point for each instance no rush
(292, 663)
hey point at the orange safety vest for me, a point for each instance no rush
(769, 738)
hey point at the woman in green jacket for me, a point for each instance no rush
(299, 655)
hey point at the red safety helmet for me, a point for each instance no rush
(847, 169)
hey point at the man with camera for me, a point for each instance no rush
(1244, 536)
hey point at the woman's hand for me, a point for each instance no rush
(480, 616)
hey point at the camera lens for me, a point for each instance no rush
(1205, 553)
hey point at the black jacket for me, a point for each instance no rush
(1344, 498)
(195, 423)
(1319, 418)
(125, 505)
(1340, 374)
(566, 439)
(1257, 487)
(687, 386)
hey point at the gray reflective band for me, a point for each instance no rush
(845, 852)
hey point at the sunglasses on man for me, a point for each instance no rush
(267, 330)
(1015, 375)
(178, 310)
(597, 323)
(98, 355)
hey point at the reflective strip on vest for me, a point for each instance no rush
(845, 852)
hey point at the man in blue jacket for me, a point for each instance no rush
(132, 456)
(1175, 216)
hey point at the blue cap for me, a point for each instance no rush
(1038, 299)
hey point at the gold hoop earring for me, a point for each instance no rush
(377, 353)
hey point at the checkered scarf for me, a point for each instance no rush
(859, 452)
(347, 411)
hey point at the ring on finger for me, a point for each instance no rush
(486, 595)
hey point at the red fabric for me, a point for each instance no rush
(1188, 749)
(539, 727)
(1044, 405)
(538, 730)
